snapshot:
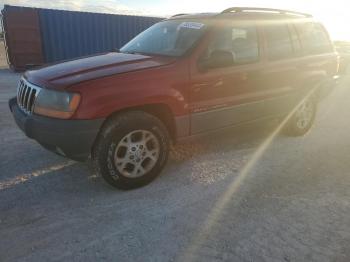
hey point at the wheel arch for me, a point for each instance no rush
(159, 110)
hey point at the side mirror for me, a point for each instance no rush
(217, 59)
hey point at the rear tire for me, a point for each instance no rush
(131, 150)
(303, 119)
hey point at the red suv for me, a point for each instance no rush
(184, 76)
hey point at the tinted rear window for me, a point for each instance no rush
(279, 45)
(314, 38)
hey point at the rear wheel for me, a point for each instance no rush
(303, 119)
(131, 150)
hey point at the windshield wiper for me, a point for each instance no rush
(117, 50)
(132, 53)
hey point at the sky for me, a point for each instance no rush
(334, 14)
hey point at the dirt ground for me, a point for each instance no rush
(239, 196)
(3, 62)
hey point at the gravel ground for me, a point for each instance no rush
(229, 197)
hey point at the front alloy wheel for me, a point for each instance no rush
(131, 149)
(137, 153)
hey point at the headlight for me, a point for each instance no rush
(56, 104)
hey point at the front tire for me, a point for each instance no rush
(131, 150)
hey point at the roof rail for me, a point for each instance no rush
(258, 9)
(178, 15)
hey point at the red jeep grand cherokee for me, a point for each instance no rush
(184, 76)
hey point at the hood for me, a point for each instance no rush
(67, 73)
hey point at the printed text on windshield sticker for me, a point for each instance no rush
(191, 25)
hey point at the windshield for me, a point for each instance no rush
(170, 38)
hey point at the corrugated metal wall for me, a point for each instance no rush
(67, 34)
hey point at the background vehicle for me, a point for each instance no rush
(182, 77)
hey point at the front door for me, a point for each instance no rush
(227, 94)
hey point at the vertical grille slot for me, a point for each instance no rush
(26, 95)
(31, 101)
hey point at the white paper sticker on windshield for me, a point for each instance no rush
(191, 25)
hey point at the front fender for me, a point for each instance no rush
(166, 85)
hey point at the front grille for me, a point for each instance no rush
(26, 95)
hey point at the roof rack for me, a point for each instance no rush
(267, 10)
(178, 15)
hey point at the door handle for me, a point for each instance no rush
(212, 84)
(218, 83)
(302, 66)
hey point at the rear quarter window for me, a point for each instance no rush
(314, 38)
(295, 39)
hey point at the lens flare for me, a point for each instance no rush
(217, 210)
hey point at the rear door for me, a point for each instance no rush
(227, 95)
(281, 71)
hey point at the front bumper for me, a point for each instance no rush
(70, 138)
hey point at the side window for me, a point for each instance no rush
(279, 45)
(241, 41)
(314, 38)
